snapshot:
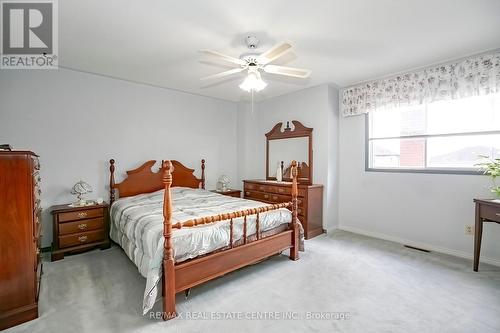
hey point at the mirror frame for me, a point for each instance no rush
(299, 131)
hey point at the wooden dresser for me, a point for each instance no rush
(79, 228)
(20, 234)
(310, 201)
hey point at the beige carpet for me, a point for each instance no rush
(342, 283)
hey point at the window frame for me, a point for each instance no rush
(434, 170)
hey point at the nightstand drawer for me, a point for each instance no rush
(490, 213)
(80, 215)
(81, 226)
(229, 193)
(81, 238)
(234, 194)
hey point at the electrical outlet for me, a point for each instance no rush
(469, 229)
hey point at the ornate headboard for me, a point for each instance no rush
(144, 180)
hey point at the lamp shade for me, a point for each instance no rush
(253, 81)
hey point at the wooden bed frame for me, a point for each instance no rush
(184, 275)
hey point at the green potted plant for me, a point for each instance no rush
(492, 169)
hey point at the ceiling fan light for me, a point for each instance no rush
(254, 82)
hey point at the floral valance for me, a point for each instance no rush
(477, 75)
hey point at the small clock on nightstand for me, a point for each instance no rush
(229, 192)
(79, 228)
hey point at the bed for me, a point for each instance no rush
(180, 235)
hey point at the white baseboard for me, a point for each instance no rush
(456, 253)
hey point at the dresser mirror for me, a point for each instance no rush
(285, 144)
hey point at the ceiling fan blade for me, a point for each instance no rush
(274, 53)
(287, 71)
(225, 57)
(223, 74)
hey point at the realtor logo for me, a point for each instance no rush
(29, 34)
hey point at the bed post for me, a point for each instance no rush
(111, 181)
(294, 250)
(168, 257)
(203, 173)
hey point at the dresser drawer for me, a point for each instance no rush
(258, 195)
(81, 238)
(270, 197)
(282, 190)
(258, 187)
(287, 190)
(262, 187)
(280, 198)
(278, 189)
(490, 213)
(80, 215)
(81, 226)
(250, 186)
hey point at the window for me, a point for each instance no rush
(444, 136)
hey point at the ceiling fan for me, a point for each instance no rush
(254, 64)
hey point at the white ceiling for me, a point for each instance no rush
(342, 41)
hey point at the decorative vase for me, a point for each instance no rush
(279, 174)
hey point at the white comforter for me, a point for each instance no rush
(137, 226)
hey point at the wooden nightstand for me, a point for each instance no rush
(79, 228)
(230, 193)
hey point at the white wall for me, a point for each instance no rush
(315, 107)
(250, 146)
(425, 210)
(76, 122)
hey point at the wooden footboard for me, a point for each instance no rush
(196, 271)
